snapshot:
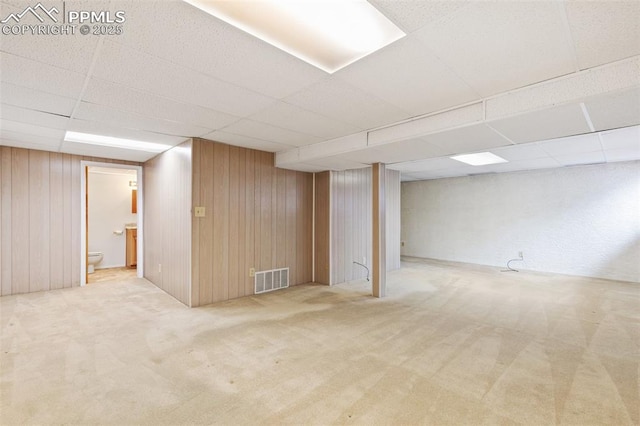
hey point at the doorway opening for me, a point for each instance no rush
(111, 244)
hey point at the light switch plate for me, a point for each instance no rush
(199, 211)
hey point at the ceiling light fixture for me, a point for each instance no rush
(329, 34)
(110, 141)
(479, 159)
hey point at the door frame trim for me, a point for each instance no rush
(83, 215)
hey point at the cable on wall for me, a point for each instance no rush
(364, 266)
(509, 268)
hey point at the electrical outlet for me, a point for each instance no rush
(520, 255)
(364, 260)
(159, 267)
(252, 272)
(199, 211)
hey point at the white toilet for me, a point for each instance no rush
(95, 257)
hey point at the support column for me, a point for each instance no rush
(379, 265)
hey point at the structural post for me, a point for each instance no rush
(379, 265)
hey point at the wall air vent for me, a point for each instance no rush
(274, 279)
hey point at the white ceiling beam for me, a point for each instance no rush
(573, 88)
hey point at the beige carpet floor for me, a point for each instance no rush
(451, 344)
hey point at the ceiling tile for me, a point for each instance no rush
(130, 120)
(25, 97)
(299, 120)
(114, 95)
(616, 110)
(246, 141)
(545, 124)
(270, 133)
(623, 154)
(96, 128)
(303, 167)
(571, 145)
(496, 45)
(335, 98)
(336, 163)
(164, 78)
(30, 129)
(407, 75)
(574, 159)
(516, 166)
(23, 140)
(467, 139)
(106, 152)
(604, 31)
(213, 47)
(410, 15)
(627, 138)
(36, 75)
(430, 164)
(397, 152)
(70, 52)
(29, 116)
(529, 151)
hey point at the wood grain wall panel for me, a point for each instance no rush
(76, 221)
(40, 194)
(393, 219)
(280, 248)
(266, 176)
(234, 206)
(351, 223)
(250, 211)
(379, 260)
(323, 227)
(152, 189)
(248, 204)
(290, 224)
(167, 221)
(196, 200)
(206, 260)
(39, 209)
(258, 214)
(20, 220)
(221, 222)
(307, 235)
(56, 220)
(242, 271)
(5, 221)
(67, 224)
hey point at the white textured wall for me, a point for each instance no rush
(109, 210)
(579, 220)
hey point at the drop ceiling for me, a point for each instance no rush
(468, 77)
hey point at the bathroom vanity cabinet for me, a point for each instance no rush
(132, 247)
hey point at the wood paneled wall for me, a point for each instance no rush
(256, 216)
(392, 194)
(322, 238)
(351, 216)
(345, 235)
(167, 221)
(40, 219)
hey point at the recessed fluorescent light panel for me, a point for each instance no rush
(479, 159)
(329, 34)
(114, 142)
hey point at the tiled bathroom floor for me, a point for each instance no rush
(111, 274)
